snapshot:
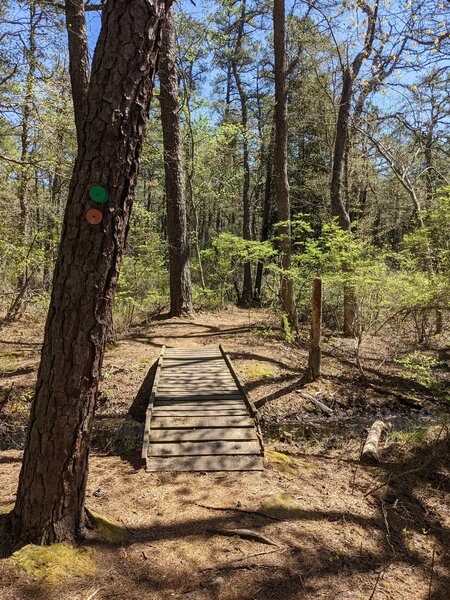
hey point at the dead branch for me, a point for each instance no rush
(248, 534)
(232, 566)
(404, 398)
(237, 564)
(240, 510)
(323, 407)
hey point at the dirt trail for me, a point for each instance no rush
(334, 540)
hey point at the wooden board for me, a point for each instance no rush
(206, 463)
(212, 410)
(199, 413)
(208, 448)
(199, 397)
(199, 402)
(215, 433)
(198, 422)
(195, 389)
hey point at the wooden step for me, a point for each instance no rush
(210, 448)
(206, 463)
(213, 433)
(199, 422)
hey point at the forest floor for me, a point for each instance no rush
(343, 530)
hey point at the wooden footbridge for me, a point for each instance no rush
(199, 416)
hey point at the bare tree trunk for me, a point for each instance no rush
(266, 218)
(280, 163)
(80, 75)
(428, 154)
(51, 492)
(179, 271)
(78, 62)
(25, 175)
(247, 290)
(341, 143)
(192, 202)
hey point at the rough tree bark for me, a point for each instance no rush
(179, 271)
(80, 75)
(50, 497)
(280, 163)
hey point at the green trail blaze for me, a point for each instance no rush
(98, 193)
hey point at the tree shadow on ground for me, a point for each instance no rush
(279, 393)
(261, 358)
(382, 378)
(211, 331)
(399, 510)
(17, 372)
(396, 511)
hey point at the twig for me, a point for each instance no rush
(247, 534)
(431, 574)
(241, 510)
(386, 523)
(258, 554)
(91, 596)
(234, 564)
(376, 584)
(230, 566)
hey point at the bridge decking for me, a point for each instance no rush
(199, 416)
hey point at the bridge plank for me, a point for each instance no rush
(206, 463)
(198, 422)
(216, 433)
(206, 448)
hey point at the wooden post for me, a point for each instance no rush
(313, 371)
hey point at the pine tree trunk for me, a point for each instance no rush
(280, 163)
(266, 218)
(247, 288)
(180, 275)
(78, 62)
(50, 497)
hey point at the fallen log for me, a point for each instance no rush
(320, 405)
(404, 398)
(369, 453)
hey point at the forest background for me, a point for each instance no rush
(386, 185)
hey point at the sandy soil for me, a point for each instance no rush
(336, 536)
